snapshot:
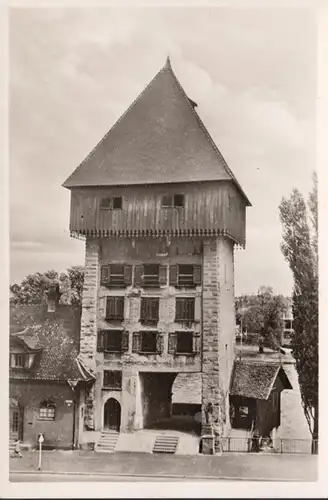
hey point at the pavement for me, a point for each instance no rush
(147, 467)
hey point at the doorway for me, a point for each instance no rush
(16, 423)
(112, 415)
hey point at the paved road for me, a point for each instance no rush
(141, 465)
(49, 478)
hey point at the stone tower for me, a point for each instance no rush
(161, 213)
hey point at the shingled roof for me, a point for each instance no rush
(159, 139)
(53, 337)
(256, 379)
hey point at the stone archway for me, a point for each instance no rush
(112, 415)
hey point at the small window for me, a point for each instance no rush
(18, 360)
(47, 411)
(184, 343)
(112, 379)
(176, 200)
(149, 310)
(15, 421)
(186, 275)
(148, 342)
(116, 275)
(185, 310)
(243, 411)
(115, 308)
(114, 203)
(274, 401)
(151, 275)
(288, 324)
(113, 341)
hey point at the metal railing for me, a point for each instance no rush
(249, 444)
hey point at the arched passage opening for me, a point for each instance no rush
(112, 415)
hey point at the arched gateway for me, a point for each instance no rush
(112, 414)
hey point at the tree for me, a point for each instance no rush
(76, 276)
(262, 313)
(300, 249)
(33, 288)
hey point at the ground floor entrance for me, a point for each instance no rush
(16, 418)
(112, 415)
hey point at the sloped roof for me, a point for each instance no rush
(56, 335)
(159, 139)
(256, 379)
(187, 388)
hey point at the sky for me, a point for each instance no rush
(73, 72)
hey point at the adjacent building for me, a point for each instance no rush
(45, 376)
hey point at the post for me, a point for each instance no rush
(74, 415)
(40, 440)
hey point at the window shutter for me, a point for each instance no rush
(155, 310)
(138, 274)
(196, 343)
(197, 275)
(143, 310)
(178, 309)
(125, 341)
(173, 341)
(101, 341)
(110, 307)
(159, 343)
(173, 275)
(198, 314)
(136, 342)
(128, 275)
(104, 275)
(162, 275)
(120, 307)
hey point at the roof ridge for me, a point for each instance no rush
(120, 118)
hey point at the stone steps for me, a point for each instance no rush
(107, 442)
(165, 444)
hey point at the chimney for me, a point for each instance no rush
(65, 288)
(53, 297)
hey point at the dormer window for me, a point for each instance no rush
(19, 360)
(115, 203)
(173, 200)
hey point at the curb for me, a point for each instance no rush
(164, 476)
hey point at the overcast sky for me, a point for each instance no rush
(73, 72)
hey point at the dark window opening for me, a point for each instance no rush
(116, 275)
(148, 342)
(115, 308)
(185, 275)
(176, 200)
(112, 379)
(151, 275)
(113, 341)
(288, 324)
(185, 310)
(184, 343)
(149, 310)
(114, 203)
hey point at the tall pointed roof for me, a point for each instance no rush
(159, 139)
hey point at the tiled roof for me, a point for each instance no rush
(187, 388)
(56, 335)
(159, 139)
(256, 379)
